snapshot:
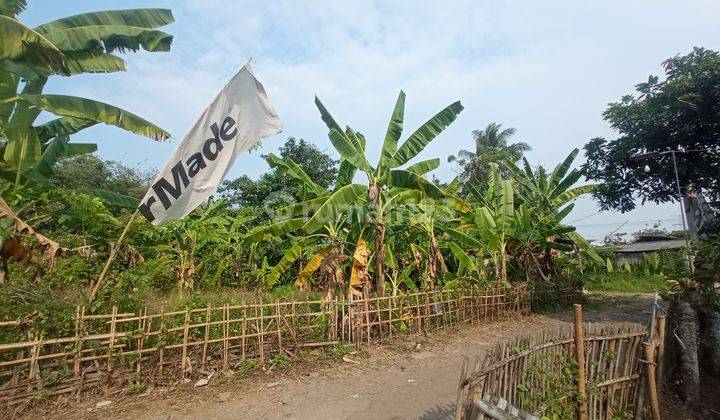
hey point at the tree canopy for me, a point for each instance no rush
(492, 145)
(681, 113)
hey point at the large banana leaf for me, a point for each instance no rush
(346, 173)
(574, 193)
(425, 134)
(394, 131)
(82, 62)
(559, 172)
(8, 88)
(111, 198)
(20, 43)
(55, 150)
(462, 256)
(507, 205)
(73, 106)
(12, 7)
(23, 149)
(404, 179)
(453, 187)
(348, 151)
(464, 238)
(288, 167)
(326, 117)
(424, 167)
(276, 229)
(584, 246)
(339, 202)
(63, 126)
(291, 255)
(312, 266)
(302, 208)
(108, 38)
(144, 18)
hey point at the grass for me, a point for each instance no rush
(626, 283)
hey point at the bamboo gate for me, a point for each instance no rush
(118, 348)
(615, 366)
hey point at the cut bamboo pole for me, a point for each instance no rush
(662, 319)
(162, 334)
(459, 400)
(226, 334)
(580, 355)
(207, 335)
(186, 324)
(112, 338)
(650, 367)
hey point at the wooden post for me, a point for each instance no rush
(261, 337)
(660, 357)
(244, 328)
(207, 335)
(76, 358)
(111, 345)
(142, 324)
(459, 400)
(649, 349)
(186, 328)
(226, 334)
(580, 354)
(161, 333)
(277, 323)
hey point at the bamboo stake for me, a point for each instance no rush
(661, 351)
(162, 332)
(244, 329)
(461, 386)
(142, 324)
(649, 349)
(76, 360)
(111, 257)
(279, 330)
(186, 325)
(207, 335)
(261, 338)
(580, 355)
(112, 338)
(226, 334)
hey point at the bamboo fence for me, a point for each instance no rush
(119, 348)
(608, 370)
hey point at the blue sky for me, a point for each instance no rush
(547, 68)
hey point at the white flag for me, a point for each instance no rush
(238, 118)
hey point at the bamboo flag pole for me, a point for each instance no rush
(111, 257)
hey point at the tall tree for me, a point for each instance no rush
(492, 145)
(318, 165)
(680, 113)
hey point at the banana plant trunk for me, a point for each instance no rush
(380, 259)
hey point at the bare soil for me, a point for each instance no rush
(411, 377)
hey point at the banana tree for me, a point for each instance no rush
(386, 180)
(551, 196)
(84, 43)
(490, 227)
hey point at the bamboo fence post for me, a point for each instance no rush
(111, 345)
(277, 322)
(142, 323)
(186, 329)
(366, 309)
(417, 310)
(261, 337)
(428, 319)
(580, 354)
(244, 328)
(226, 334)
(662, 319)
(207, 335)
(650, 365)
(461, 386)
(390, 314)
(161, 334)
(34, 353)
(76, 356)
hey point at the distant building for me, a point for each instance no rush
(632, 252)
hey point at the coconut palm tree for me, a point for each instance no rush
(492, 145)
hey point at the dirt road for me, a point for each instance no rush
(413, 378)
